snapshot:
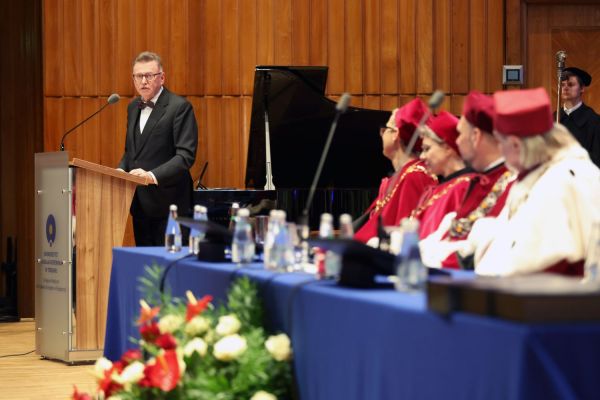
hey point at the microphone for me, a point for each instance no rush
(112, 99)
(435, 101)
(340, 108)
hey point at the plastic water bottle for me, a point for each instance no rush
(242, 246)
(280, 253)
(233, 212)
(346, 229)
(591, 272)
(333, 261)
(196, 236)
(173, 231)
(411, 273)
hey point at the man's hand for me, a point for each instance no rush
(149, 177)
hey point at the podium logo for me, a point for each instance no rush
(50, 230)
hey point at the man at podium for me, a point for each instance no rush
(160, 146)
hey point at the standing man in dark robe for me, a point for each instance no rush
(580, 119)
(160, 146)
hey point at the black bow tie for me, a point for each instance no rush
(142, 104)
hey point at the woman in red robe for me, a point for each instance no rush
(400, 193)
(440, 154)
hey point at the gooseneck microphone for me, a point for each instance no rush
(340, 108)
(112, 99)
(435, 101)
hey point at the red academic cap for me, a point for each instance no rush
(522, 112)
(444, 127)
(479, 110)
(407, 119)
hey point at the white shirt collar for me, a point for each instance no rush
(568, 111)
(494, 164)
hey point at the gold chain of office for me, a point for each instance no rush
(431, 200)
(379, 204)
(461, 227)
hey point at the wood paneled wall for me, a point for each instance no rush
(384, 52)
(21, 135)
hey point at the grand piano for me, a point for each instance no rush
(300, 117)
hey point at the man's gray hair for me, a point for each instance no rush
(147, 56)
(541, 148)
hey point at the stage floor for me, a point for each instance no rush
(28, 376)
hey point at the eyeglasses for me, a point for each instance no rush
(384, 129)
(138, 78)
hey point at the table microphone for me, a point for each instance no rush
(340, 108)
(434, 102)
(112, 99)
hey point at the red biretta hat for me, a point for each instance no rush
(479, 110)
(522, 113)
(407, 119)
(443, 126)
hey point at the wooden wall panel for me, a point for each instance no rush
(386, 49)
(408, 46)
(248, 37)
(425, 46)
(372, 49)
(389, 46)
(443, 45)
(300, 32)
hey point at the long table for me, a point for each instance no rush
(379, 344)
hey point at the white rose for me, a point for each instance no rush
(102, 364)
(131, 374)
(262, 395)
(279, 347)
(195, 345)
(115, 397)
(230, 347)
(169, 323)
(197, 326)
(228, 325)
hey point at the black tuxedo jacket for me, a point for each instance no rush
(167, 148)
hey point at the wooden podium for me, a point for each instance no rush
(81, 214)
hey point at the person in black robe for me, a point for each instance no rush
(580, 119)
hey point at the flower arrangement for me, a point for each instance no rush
(190, 349)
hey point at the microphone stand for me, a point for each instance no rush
(269, 185)
(339, 110)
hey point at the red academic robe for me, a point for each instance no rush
(441, 200)
(479, 201)
(398, 196)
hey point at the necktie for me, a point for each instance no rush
(142, 104)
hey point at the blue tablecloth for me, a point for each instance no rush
(380, 344)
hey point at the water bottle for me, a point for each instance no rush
(592, 259)
(280, 254)
(233, 211)
(411, 273)
(196, 236)
(242, 246)
(173, 231)
(346, 229)
(333, 261)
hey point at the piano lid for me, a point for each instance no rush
(299, 120)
